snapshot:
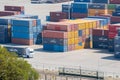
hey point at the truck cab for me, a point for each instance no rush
(24, 52)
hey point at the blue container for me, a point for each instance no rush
(78, 10)
(63, 48)
(3, 28)
(117, 54)
(23, 22)
(79, 5)
(5, 21)
(117, 48)
(111, 45)
(24, 29)
(47, 18)
(66, 8)
(88, 1)
(116, 13)
(56, 48)
(39, 38)
(48, 47)
(4, 38)
(38, 22)
(27, 16)
(100, 1)
(80, 32)
(100, 38)
(100, 45)
(22, 35)
(97, 6)
(117, 40)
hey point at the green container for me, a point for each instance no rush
(111, 6)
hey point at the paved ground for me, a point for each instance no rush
(86, 58)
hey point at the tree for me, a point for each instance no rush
(14, 68)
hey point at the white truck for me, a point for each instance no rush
(24, 52)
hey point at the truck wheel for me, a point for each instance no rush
(27, 56)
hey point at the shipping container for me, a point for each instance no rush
(100, 1)
(56, 16)
(87, 1)
(114, 1)
(24, 22)
(22, 41)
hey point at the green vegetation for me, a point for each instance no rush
(13, 68)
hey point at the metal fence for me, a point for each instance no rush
(64, 72)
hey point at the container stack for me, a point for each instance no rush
(97, 9)
(100, 38)
(117, 45)
(114, 1)
(19, 9)
(112, 33)
(25, 31)
(79, 10)
(69, 35)
(111, 8)
(12, 10)
(5, 29)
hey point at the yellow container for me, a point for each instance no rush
(82, 26)
(71, 41)
(76, 34)
(110, 11)
(87, 31)
(76, 40)
(77, 47)
(94, 24)
(69, 35)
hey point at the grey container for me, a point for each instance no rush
(55, 41)
(117, 40)
(97, 6)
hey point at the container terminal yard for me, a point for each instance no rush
(74, 40)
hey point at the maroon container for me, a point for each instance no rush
(8, 13)
(22, 41)
(57, 16)
(114, 27)
(114, 1)
(112, 35)
(78, 15)
(115, 19)
(54, 34)
(14, 8)
(100, 32)
(60, 26)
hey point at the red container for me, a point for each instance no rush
(22, 41)
(78, 15)
(114, 1)
(114, 27)
(100, 32)
(54, 34)
(8, 13)
(14, 8)
(60, 26)
(112, 35)
(57, 16)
